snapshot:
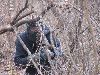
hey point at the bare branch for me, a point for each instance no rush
(26, 5)
(47, 9)
(27, 21)
(16, 24)
(5, 29)
(11, 28)
(24, 16)
(83, 30)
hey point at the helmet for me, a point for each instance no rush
(31, 25)
(33, 31)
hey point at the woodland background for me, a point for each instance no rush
(75, 22)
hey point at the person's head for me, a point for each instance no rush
(33, 31)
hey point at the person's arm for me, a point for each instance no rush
(58, 51)
(53, 51)
(57, 44)
(20, 55)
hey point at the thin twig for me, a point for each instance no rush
(83, 30)
(24, 16)
(26, 5)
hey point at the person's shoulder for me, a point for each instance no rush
(23, 34)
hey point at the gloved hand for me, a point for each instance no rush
(58, 52)
(50, 47)
(34, 57)
(51, 54)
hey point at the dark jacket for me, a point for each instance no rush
(21, 54)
